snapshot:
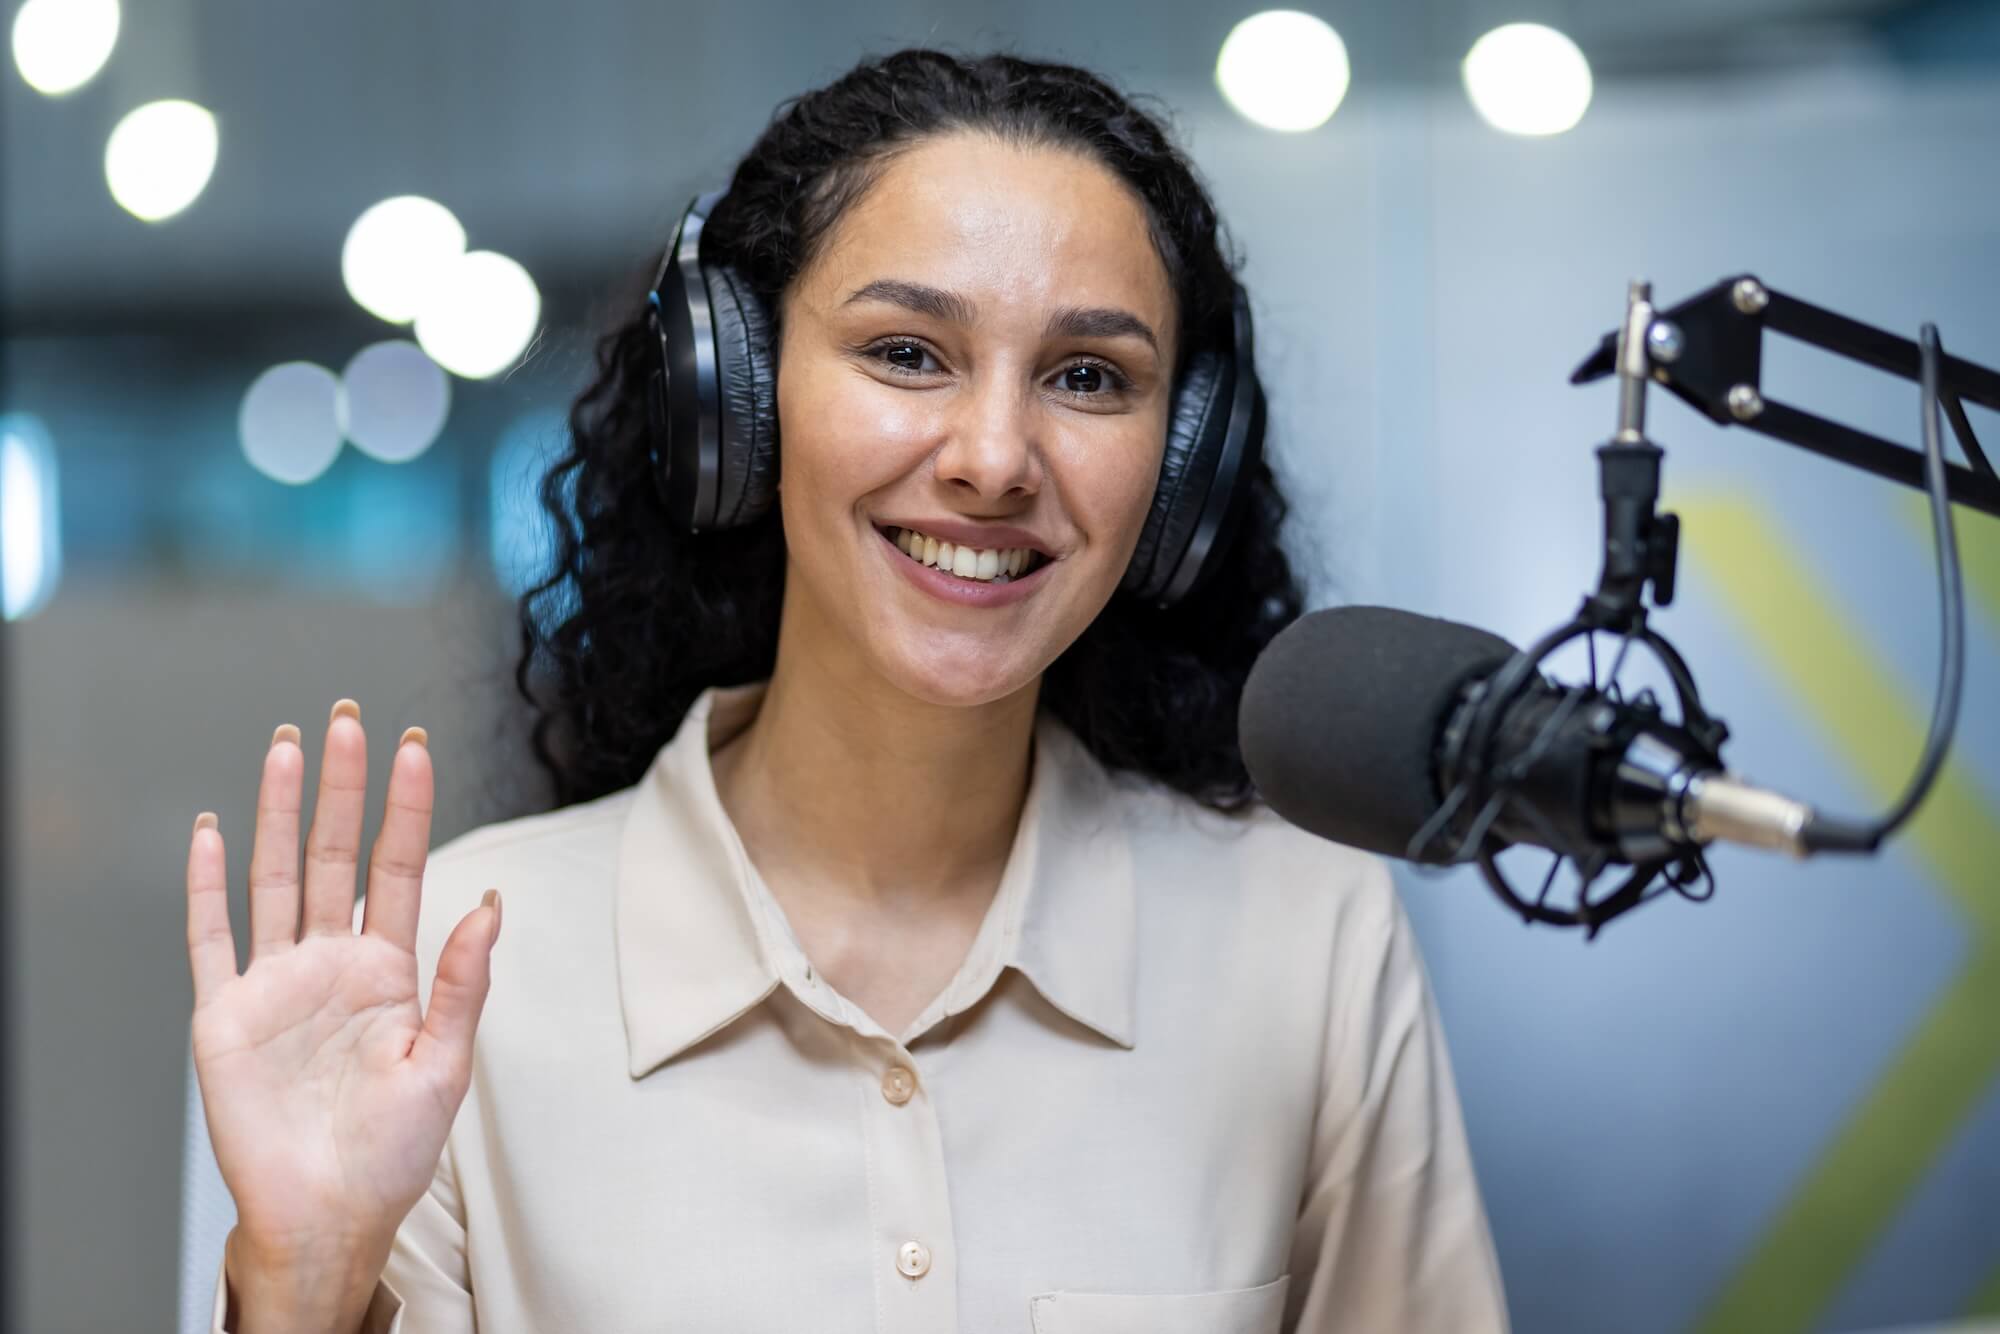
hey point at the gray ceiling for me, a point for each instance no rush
(564, 135)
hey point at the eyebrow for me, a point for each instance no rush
(1068, 322)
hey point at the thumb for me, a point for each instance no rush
(458, 992)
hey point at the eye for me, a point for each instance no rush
(901, 356)
(1085, 379)
(1093, 379)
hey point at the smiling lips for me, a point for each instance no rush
(981, 564)
(906, 549)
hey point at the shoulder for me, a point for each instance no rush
(564, 854)
(1296, 905)
(570, 831)
(1253, 853)
(1251, 927)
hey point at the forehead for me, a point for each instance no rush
(1022, 228)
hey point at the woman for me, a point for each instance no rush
(906, 951)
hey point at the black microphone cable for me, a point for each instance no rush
(1831, 834)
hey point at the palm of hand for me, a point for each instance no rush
(314, 1048)
(328, 1093)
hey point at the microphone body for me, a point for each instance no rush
(1355, 725)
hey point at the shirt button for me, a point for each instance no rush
(914, 1259)
(898, 1084)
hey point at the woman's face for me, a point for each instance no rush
(980, 356)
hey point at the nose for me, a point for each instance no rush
(992, 450)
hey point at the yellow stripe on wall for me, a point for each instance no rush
(1934, 1085)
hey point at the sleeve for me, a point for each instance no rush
(1391, 1233)
(425, 1287)
(384, 1315)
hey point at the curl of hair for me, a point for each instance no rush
(634, 618)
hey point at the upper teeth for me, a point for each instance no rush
(967, 562)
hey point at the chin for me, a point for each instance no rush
(963, 677)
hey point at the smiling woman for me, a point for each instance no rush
(931, 238)
(907, 950)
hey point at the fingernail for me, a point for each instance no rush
(286, 732)
(345, 708)
(416, 734)
(206, 820)
(491, 899)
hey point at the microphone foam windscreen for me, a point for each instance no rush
(1340, 719)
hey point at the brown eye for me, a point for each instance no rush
(1093, 379)
(903, 358)
(1083, 379)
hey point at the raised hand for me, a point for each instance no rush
(328, 1093)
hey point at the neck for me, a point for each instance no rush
(867, 796)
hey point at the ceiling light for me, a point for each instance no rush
(479, 317)
(159, 158)
(395, 251)
(1524, 78)
(1283, 69)
(59, 45)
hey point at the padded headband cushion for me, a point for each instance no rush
(1195, 434)
(749, 394)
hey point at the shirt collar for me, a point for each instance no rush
(700, 941)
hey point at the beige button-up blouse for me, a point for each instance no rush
(1189, 1080)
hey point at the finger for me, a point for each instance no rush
(211, 946)
(274, 851)
(396, 868)
(333, 848)
(458, 994)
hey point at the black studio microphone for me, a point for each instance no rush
(1354, 725)
(1434, 742)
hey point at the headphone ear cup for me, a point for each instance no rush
(747, 390)
(1197, 428)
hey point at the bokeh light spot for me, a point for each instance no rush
(290, 421)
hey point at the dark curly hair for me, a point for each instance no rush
(634, 619)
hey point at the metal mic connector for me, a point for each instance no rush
(1723, 806)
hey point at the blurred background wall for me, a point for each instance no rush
(1779, 1110)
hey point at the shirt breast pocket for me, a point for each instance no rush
(1257, 1310)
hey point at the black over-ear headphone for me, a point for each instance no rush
(713, 405)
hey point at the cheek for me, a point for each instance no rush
(1110, 489)
(854, 437)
